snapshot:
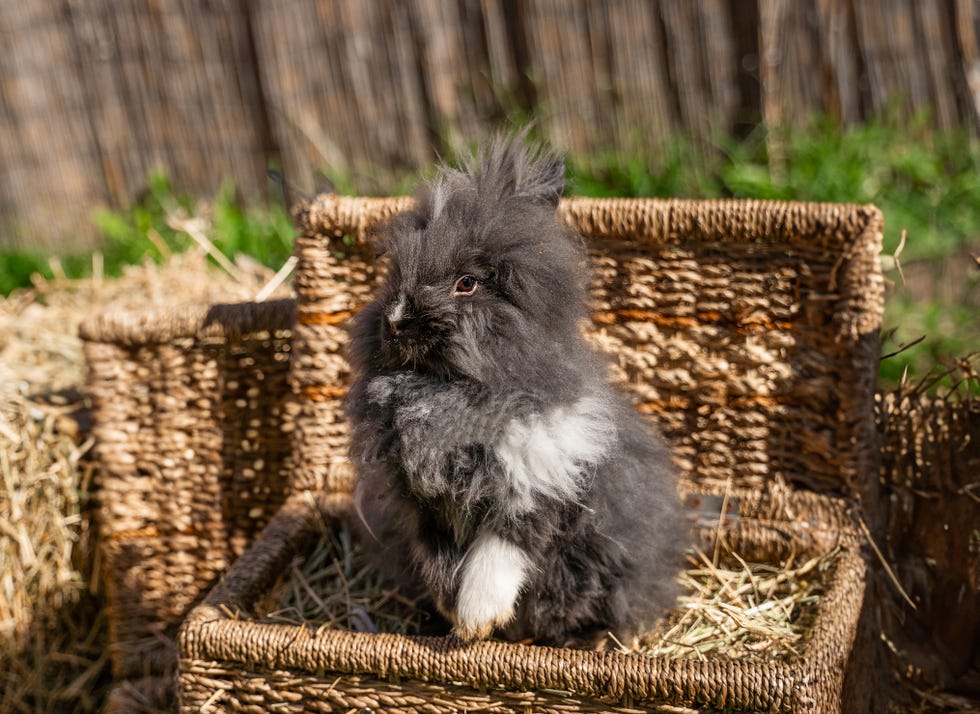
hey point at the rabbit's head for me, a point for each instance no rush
(484, 281)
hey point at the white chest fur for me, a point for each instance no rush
(550, 454)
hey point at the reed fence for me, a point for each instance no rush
(96, 94)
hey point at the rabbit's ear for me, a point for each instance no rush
(509, 167)
(545, 180)
(433, 197)
(386, 232)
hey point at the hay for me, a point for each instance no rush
(39, 343)
(51, 649)
(338, 586)
(729, 607)
(739, 610)
(53, 652)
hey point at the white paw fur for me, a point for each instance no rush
(494, 572)
(549, 454)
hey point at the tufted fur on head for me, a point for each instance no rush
(494, 459)
(496, 221)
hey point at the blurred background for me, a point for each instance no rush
(136, 138)
(107, 105)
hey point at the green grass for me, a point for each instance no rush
(926, 184)
(142, 232)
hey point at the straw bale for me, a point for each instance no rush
(39, 344)
(53, 630)
(51, 653)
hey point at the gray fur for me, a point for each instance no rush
(487, 439)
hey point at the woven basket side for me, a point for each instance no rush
(851, 233)
(331, 285)
(260, 689)
(733, 347)
(858, 315)
(215, 644)
(830, 651)
(748, 328)
(827, 226)
(931, 471)
(191, 430)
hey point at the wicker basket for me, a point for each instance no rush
(931, 534)
(748, 328)
(190, 414)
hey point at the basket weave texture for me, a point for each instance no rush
(749, 329)
(191, 424)
(930, 463)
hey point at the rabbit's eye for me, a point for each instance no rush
(465, 285)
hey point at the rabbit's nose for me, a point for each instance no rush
(397, 313)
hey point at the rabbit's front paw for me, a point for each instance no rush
(494, 573)
(473, 632)
(381, 390)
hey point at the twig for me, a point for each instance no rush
(278, 279)
(159, 243)
(902, 348)
(881, 559)
(719, 535)
(194, 228)
(898, 252)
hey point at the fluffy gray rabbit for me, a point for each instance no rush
(496, 463)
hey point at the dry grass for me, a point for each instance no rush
(338, 586)
(53, 654)
(729, 608)
(741, 610)
(53, 651)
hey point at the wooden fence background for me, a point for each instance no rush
(96, 93)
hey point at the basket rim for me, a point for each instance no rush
(652, 219)
(212, 632)
(214, 320)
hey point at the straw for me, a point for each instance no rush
(338, 586)
(729, 608)
(740, 610)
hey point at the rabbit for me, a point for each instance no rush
(497, 465)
